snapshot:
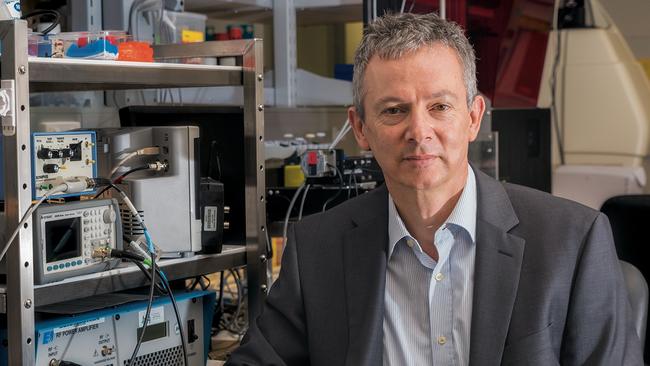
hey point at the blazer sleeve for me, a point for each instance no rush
(599, 328)
(278, 336)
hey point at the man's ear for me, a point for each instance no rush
(476, 115)
(358, 128)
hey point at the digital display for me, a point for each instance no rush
(62, 239)
(154, 331)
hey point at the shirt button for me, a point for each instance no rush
(410, 243)
(442, 340)
(439, 276)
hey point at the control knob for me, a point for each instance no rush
(50, 168)
(109, 216)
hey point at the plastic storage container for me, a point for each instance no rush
(37, 45)
(188, 28)
(102, 45)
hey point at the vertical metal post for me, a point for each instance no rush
(284, 49)
(18, 194)
(255, 187)
(443, 9)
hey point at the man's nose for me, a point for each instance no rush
(419, 127)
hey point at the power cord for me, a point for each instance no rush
(38, 13)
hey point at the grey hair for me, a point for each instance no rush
(395, 35)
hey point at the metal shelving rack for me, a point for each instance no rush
(19, 297)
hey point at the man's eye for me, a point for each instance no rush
(392, 110)
(441, 107)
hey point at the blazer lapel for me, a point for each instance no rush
(364, 260)
(496, 276)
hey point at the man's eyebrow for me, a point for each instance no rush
(393, 99)
(444, 93)
(388, 99)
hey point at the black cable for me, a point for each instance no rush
(148, 312)
(221, 292)
(338, 172)
(178, 316)
(119, 179)
(166, 289)
(207, 279)
(107, 188)
(144, 270)
(67, 363)
(117, 253)
(36, 13)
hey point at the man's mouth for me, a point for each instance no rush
(419, 157)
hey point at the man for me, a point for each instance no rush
(443, 265)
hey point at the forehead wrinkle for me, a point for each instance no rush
(444, 93)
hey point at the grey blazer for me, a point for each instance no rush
(548, 288)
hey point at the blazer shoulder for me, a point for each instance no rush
(538, 206)
(357, 209)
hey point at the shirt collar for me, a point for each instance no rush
(463, 214)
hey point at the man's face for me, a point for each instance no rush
(417, 122)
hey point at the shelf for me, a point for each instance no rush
(128, 276)
(51, 74)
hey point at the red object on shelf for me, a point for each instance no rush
(312, 158)
(235, 33)
(134, 51)
(221, 37)
(82, 42)
(112, 40)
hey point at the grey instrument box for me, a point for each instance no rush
(65, 236)
(166, 200)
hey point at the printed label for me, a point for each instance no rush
(156, 316)
(73, 329)
(190, 36)
(210, 218)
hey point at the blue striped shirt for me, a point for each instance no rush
(428, 304)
